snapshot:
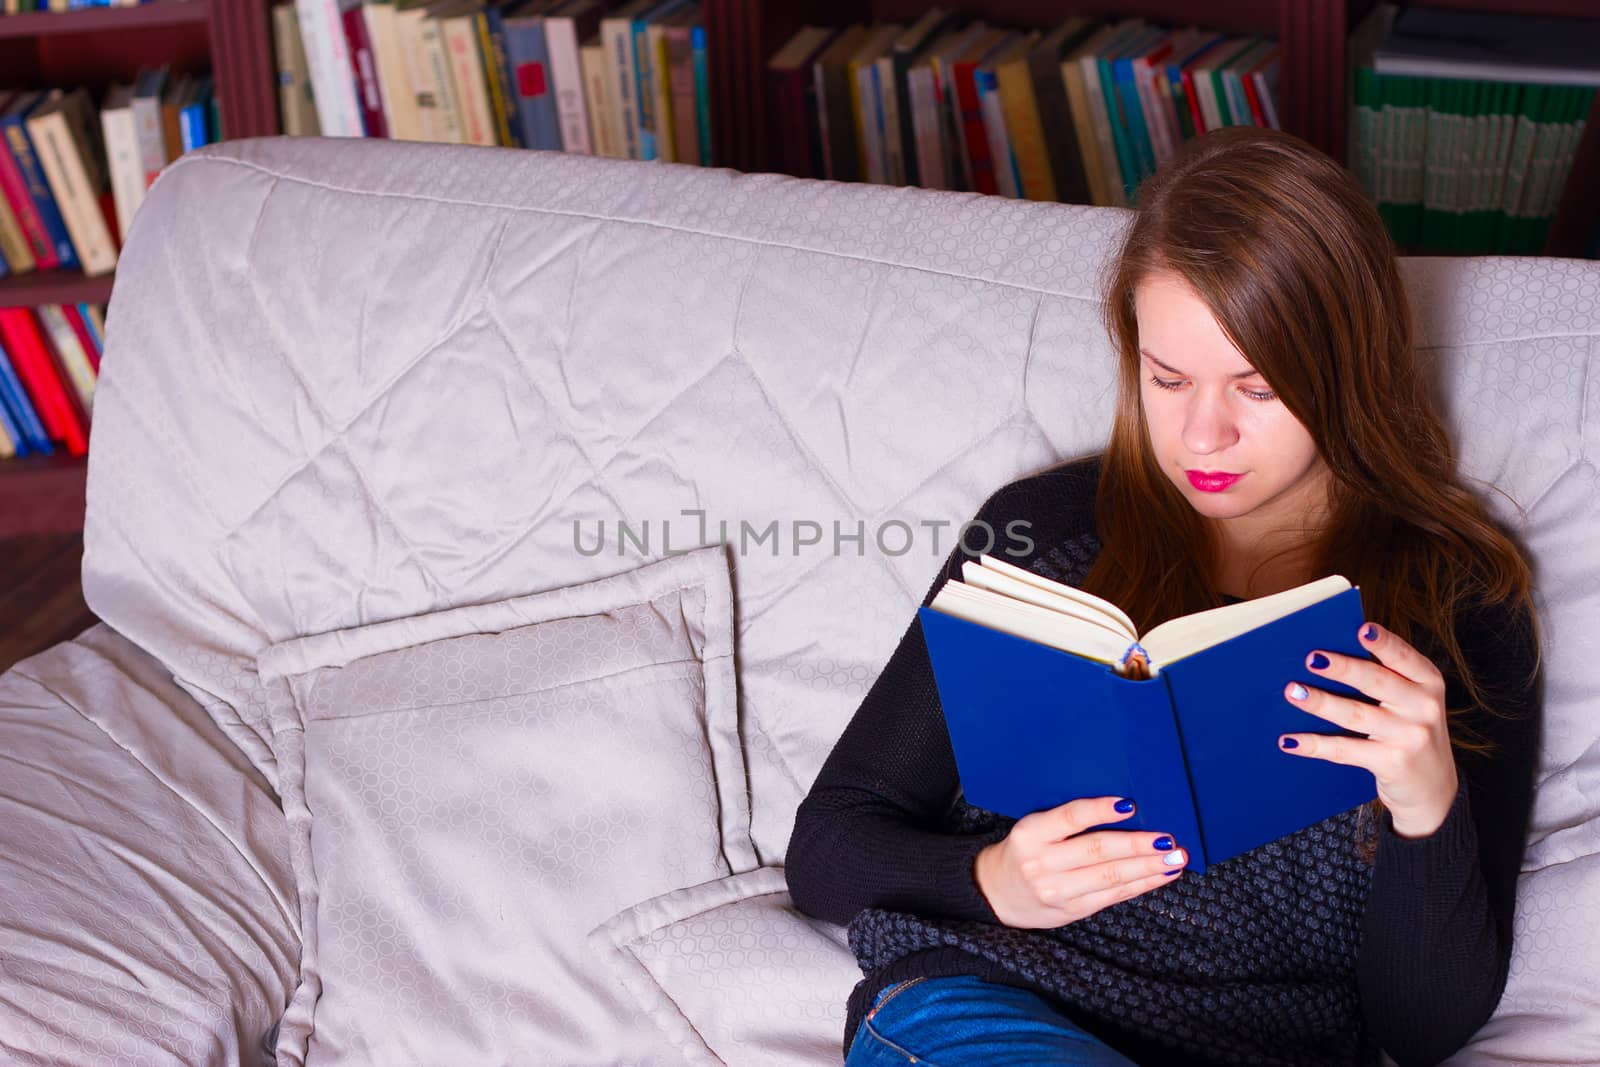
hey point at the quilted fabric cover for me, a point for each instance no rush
(350, 381)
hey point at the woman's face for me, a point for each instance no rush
(1219, 432)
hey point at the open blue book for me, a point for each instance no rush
(1050, 695)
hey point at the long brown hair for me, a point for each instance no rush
(1295, 265)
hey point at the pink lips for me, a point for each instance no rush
(1212, 481)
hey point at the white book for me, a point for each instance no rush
(428, 71)
(399, 96)
(296, 100)
(122, 155)
(566, 70)
(65, 341)
(597, 75)
(616, 34)
(328, 58)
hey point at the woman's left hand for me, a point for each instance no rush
(1407, 747)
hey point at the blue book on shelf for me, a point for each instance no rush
(645, 74)
(702, 92)
(1195, 744)
(1133, 111)
(14, 398)
(10, 431)
(532, 87)
(13, 127)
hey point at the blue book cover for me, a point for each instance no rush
(15, 398)
(12, 125)
(9, 429)
(702, 92)
(532, 88)
(1196, 745)
(1133, 112)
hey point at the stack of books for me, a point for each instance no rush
(72, 175)
(1466, 126)
(1080, 113)
(49, 363)
(23, 7)
(587, 76)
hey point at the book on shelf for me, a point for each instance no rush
(1050, 695)
(1465, 127)
(49, 364)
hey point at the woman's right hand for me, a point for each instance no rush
(1048, 872)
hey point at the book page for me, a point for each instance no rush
(1188, 634)
(975, 574)
(1030, 621)
(1087, 600)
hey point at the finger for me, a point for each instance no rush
(1072, 818)
(1350, 751)
(1092, 888)
(1390, 688)
(1101, 877)
(1400, 657)
(1088, 849)
(1368, 719)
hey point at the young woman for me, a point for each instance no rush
(1273, 426)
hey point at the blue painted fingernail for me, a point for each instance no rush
(1318, 661)
(1124, 805)
(1298, 691)
(1370, 633)
(1289, 742)
(1163, 843)
(1169, 874)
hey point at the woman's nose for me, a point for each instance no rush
(1208, 427)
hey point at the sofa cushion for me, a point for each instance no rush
(478, 788)
(732, 973)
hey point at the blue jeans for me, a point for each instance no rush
(950, 1022)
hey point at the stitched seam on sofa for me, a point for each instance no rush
(292, 918)
(674, 227)
(659, 669)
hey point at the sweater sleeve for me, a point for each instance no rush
(1436, 942)
(868, 834)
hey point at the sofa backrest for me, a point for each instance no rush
(349, 381)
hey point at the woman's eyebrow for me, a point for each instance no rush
(1251, 373)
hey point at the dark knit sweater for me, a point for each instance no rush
(1295, 953)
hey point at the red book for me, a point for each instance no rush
(35, 365)
(1193, 101)
(983, 178)
(365, 69)
(85, 335)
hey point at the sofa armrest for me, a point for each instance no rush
(150, 908)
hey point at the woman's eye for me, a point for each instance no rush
(1260, 394)
(1162, 383)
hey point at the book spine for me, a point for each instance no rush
(364, 70)
(702, 92)
(15, 189)
(528, 56)
(67, 174)
(14, 396)
(38, 190)
(1157, 766)
(566, 69)
(1025, 130)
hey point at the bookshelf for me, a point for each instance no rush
(93, 47)
(1312, 33)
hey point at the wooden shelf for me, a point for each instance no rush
(100, 19)
(42, 494)
(54, 287)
